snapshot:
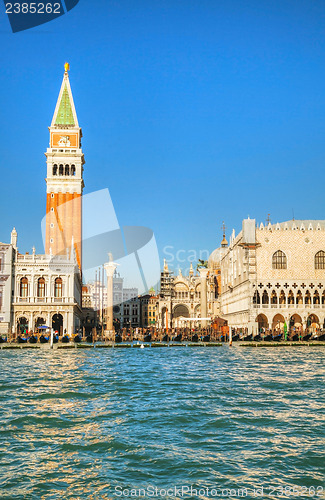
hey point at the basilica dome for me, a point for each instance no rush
(215, 258)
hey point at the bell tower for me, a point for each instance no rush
(64, 181)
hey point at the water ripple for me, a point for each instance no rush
(77, 424)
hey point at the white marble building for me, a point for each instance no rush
(274, 275)
(7, 256)
(47, 291)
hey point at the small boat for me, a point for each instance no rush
(165, 338)
(89, 338)
(295, 337)
(2, 340)
(248, 337)
(21, 340)
(257, 337)
(195, 338)
(235, 337)
(55, 339)
(32, 339)
(268, 337)
(177, 338)
(307, 336)
(118, 338)
(77, 339)
(65, 339)
(320, 337)
(206, 338)
(43, 340)
(147, 338)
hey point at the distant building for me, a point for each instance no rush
(126, 304)
(274, 276)
(89, 315)
(153, 309)
(149, 309)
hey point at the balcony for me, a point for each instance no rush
(288, 306)
(44, 300)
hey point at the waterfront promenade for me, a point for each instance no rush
(136, 345)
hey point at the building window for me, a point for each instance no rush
(320, 260)
(61, 170)
(55, 170)
(24, 287)
(282, 299)
(299, 298)
(67, 170)
(256, 298)
(51, 240)
(58, 288)
(274, 298)
(52, 225)
(52, 195)
(41, 288)
(52, 209)
(265, 297)
(0, 300)
(73, 170)
(316, 298)
(279, 260)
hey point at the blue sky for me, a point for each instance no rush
(193, 112)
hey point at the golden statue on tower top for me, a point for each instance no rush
(66, 67)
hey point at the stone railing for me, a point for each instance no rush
(289, 306)
(44, 300)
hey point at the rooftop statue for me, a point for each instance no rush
(201, 263)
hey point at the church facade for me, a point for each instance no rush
(189, 300)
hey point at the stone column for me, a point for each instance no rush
(31, 323)
(204, 299)
(110, 269)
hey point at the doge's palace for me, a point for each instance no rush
(274, 275)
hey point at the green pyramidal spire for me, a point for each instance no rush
(65, 115)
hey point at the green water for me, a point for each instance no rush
(98, 424)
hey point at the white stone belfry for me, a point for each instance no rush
(13, 239)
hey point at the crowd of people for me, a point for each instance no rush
(151, 334)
